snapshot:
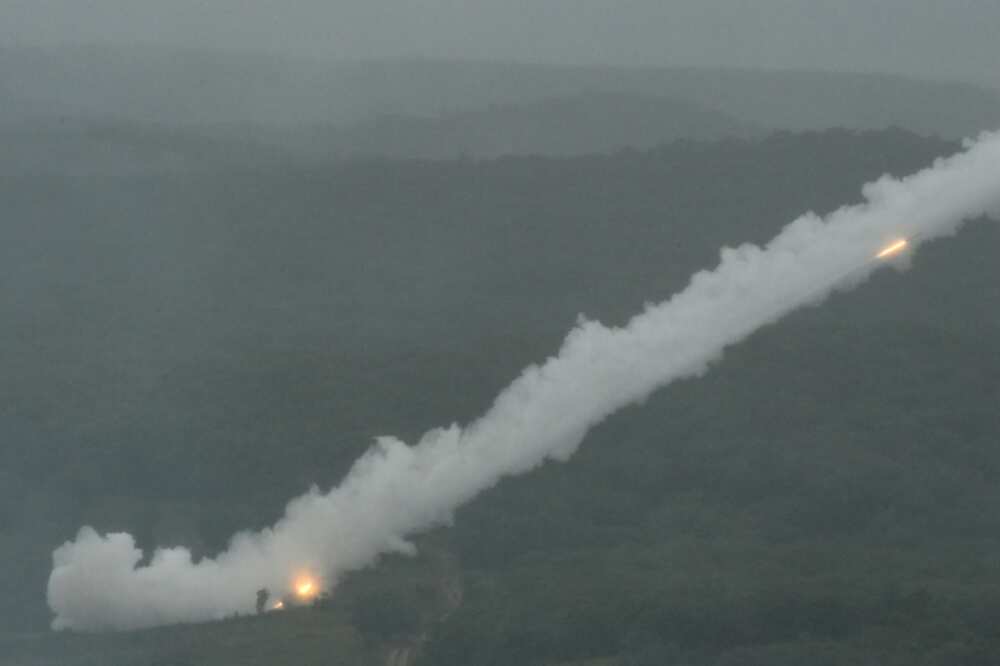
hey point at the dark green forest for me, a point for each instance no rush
(188, 350)
(212, 301)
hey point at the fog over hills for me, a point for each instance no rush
(572, 125)
(216, 89)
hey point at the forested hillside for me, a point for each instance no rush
(188, 349)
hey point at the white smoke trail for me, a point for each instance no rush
(395, 490)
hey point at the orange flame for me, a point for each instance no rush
(893, 248)
(305, 587)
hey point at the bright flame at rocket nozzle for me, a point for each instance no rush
(893, 249)
(305, 588)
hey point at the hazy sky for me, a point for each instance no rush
(954, 38)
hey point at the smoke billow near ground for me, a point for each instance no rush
(99, 582)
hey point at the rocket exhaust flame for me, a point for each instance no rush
(100, 582)
(893, 249)
(305, 589)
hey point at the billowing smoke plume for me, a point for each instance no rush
(395, 490)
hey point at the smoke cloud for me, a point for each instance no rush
(395, 490)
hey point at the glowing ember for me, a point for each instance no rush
(278, 605)
(893, 248)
